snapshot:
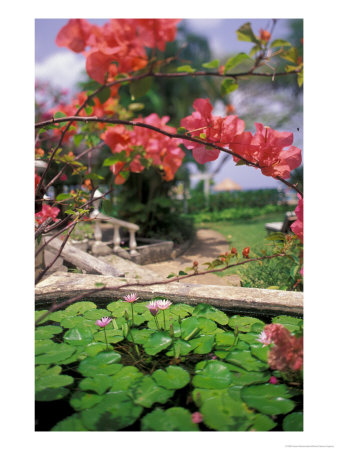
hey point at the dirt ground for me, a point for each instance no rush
(208, 244)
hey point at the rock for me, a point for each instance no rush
(100, 249)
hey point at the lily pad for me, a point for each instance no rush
(202, 344)
(245, 323)
(118, 308)
(94, 348)
(113, 336)
(51, 394)
(96, 314)
(213, 375)
(57, 354)
(41, 313)
(47, 331)
(209, 312)
(289, 322)
(224, 339)
(140, 336)
(172, 378)
(44, 346)
(114, 412)
(180, 348)
(270, 399)
(125, 378)
(146, 392)
(83, 400)
(248, 378)
(190, 328)
(78, 336)
(293, 422)
(172, 419)
(71, 423)
(99, 383)
(180, 310)
(104, 363)
(263, 423)
(224, 413)
(78, 322)
(245, 360)
(260, 352)
(80, 307)
(157, 342)
(52, 381)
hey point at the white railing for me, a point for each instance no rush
(117, 224)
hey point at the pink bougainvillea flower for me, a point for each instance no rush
(153, 308)
(273, 380)
(157, 32)
(103, 322)
(246, 252)
(74, 35)
(264, 339)
(163, 304)
(46, 212)
(197, 417)
(37, 180)
(286, 354)
(297, 226)
(130, 298)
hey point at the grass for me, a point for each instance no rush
(245, 233)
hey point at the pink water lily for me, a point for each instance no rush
(153, 308)
(163, 304)
(103, 322)
(264, 339)
(197, 417)
(130, 298)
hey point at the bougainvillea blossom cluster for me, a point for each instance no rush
(162, 151)
(119, 46)
(266, 148)
(297, 226)
(46, 212)
(286, 353)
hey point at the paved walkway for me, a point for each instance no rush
(207, 245)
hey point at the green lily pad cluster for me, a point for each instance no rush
(153, 374)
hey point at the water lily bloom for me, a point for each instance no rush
(153, 308)
(163, 304)
(103, 322)
(264, 339)
(130, 298)
(273, 380)
(197, 417)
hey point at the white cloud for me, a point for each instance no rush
(62, 70)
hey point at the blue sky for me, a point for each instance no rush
(63, 68)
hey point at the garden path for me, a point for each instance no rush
(207, 245)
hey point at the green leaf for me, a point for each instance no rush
(289, 322)
(104, 363)
(260, 352)
(276, 237)
(270, 399)
(171, 275)
(57, 354)
(157, 342)
(300, 78)
(172, 419)
(280, 43)
(293, 422)
(114, 412)
(212, 375)
(212, 64)
(112, 160)
(84, 400)
(78, 336)
(224, 339)
(245, 360)
(181, 130)
(235, 61)
(180, 348)
(228, 85)
(95, 314)
(254, 50)
(80, 307)
(59, 114)
(99, 383)
(104, 94)
(71, 423)
(181, 272)
(125, 378)
(146, 392)
(135, 107)
(263, 423)
(202, 344)
(139, 88)
(52, 381)
(189, 327)
(113, 336)
(186, 68)
(51, 394)
(244, 323)
(245, 378)
(224, 413)
(78, 138)
(245, 33)
(63, 197)
(209, 312)
(172, 378)
(290, 55)
(47, 331)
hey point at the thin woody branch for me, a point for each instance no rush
(158, 130)
(55, 306)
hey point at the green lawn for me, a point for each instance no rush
(245, 233)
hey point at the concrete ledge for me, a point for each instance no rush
(59, 287)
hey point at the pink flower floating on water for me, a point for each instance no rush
(130, 298)
(197, 417)
(103, 322)
(264, 339)
(273, 380)
(163, 304)
(153, 308)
